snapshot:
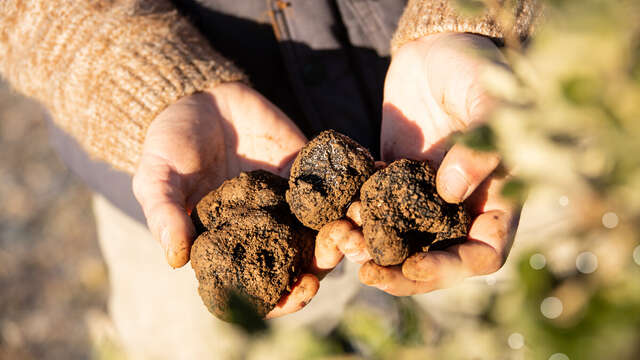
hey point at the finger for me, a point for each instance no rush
(391, 280)
(354, 247)
(301, 294)
(496, 229)
(327, 254)
(462, 170)
(483, 253)
(444, 268)
(354, 213)
(156, 187)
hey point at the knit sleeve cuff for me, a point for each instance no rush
(105, 71)
(425, 17)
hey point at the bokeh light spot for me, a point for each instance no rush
(516, 341)
(559, 356)
(587, 262)
(551, 307)
(636, 255)
(610, 220)
(563, 201)
(537, 261)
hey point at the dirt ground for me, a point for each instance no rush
(53, 283)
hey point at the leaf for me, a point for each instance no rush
(582, 90)
(243, 314)
(515, 189)
(481, 138)
(564, 139)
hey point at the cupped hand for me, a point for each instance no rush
(433, 89)
(196, 144)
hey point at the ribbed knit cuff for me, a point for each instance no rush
(105, 71)
(425, 17)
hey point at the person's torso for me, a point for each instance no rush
(323, 62)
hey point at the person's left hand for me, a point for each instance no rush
(197, 143)
(432, 90)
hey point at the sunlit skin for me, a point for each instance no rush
(196, 144)
(433, 89)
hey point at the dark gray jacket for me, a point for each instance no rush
(323, 62)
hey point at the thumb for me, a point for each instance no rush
(156, 185)
(462, 170)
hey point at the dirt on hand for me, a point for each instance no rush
(326, 177)
(249, 245)
(403, 214)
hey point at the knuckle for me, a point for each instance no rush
(339, 230)
(354, 240)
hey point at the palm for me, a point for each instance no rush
(196, 144)
(201, 141)
(185, 149)
(439, 95)
(432, 90)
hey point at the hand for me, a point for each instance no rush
(196, 144)
(432, 90)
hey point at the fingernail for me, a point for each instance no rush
(165, 238)
(454, 184)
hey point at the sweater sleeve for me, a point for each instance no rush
(425, 17)
(106, 68)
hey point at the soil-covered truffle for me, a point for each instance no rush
(256, 190)
(326, 177)
(403, 214)
(249, 244)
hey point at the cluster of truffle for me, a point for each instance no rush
(402, 212)
(254, 229)
(250, 245)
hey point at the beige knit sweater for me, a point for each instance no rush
(106, 68)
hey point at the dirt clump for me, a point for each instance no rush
(250, 245)
(403, 214)
(326, 177)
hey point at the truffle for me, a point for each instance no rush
(249, 244)
(326, 177)
(402, 213)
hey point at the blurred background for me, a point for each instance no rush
(569, 120)
(52, 278)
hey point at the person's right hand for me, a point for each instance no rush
(432, 90)
(196, 144)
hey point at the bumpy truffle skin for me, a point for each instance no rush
(249, 244)
(326, 177)
(254, 190)
(256, 256)
(403, 214)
